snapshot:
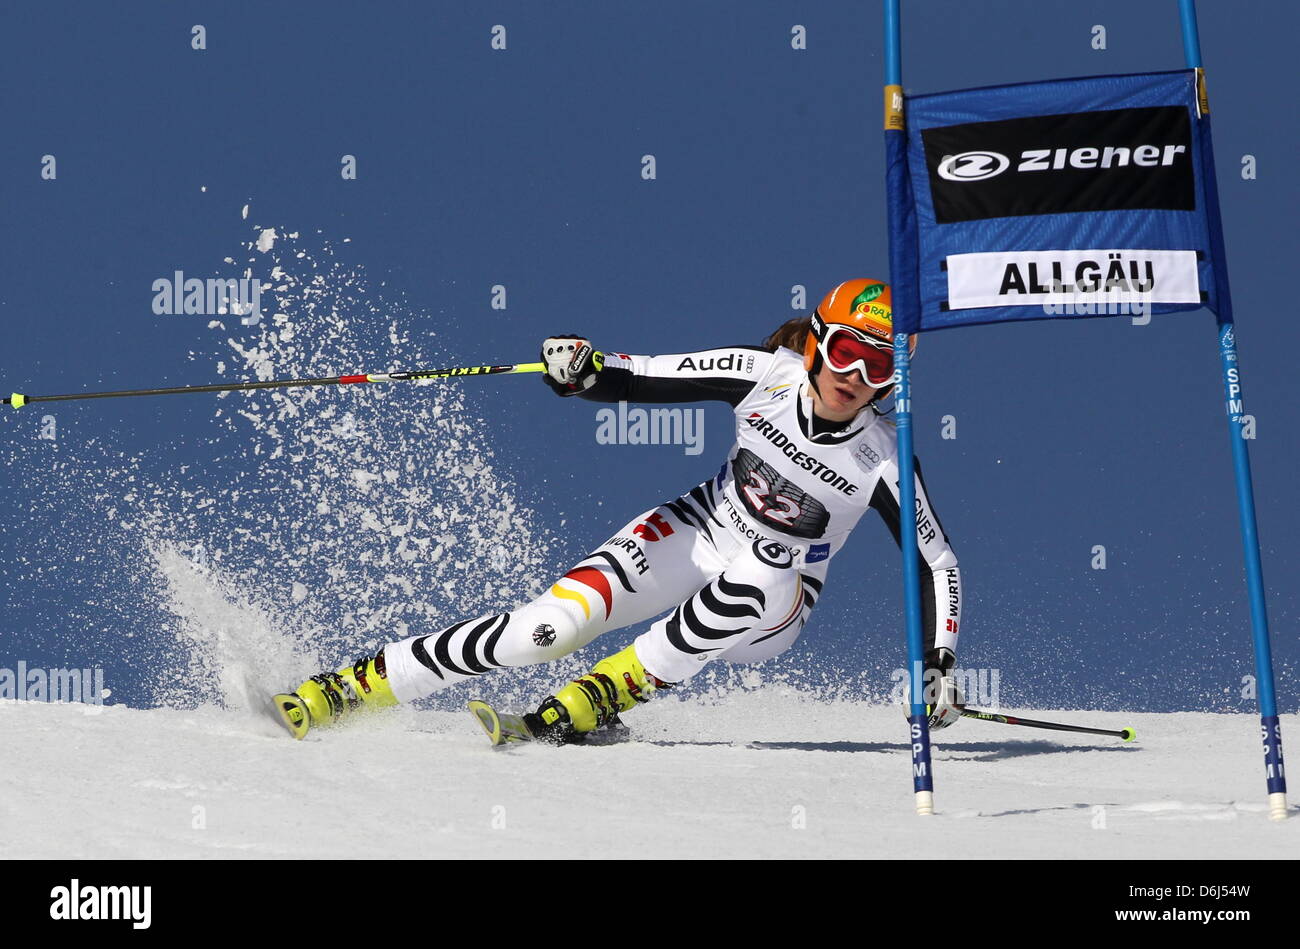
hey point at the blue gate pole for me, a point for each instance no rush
(1271, 730)
(902, 295)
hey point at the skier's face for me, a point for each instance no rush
(839, 396)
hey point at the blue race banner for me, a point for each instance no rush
(1059, 199)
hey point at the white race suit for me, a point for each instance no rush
(737, 562)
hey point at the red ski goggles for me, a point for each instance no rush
(846, 349)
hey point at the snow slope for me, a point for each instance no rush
(759, 773)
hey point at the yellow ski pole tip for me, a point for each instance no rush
(1129, 734)
(17, 400)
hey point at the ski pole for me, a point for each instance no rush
(18, 399)
(1127, 734)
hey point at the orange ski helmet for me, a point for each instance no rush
(863, 307)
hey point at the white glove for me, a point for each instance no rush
(943, 697)
(571, 364)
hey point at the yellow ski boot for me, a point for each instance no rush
(594, 701)
(328, 697)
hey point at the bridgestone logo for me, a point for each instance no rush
(807, 462)
(1111, 160)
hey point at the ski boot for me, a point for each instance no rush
(328, 697)
(594, 701)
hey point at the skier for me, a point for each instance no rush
(740, 560)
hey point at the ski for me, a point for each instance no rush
(501, 727)
(504, 728)
(292, 712)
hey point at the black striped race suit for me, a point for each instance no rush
(733, 567)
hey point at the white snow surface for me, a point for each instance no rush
(753, 773)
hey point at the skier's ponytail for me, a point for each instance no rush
(792, 334)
